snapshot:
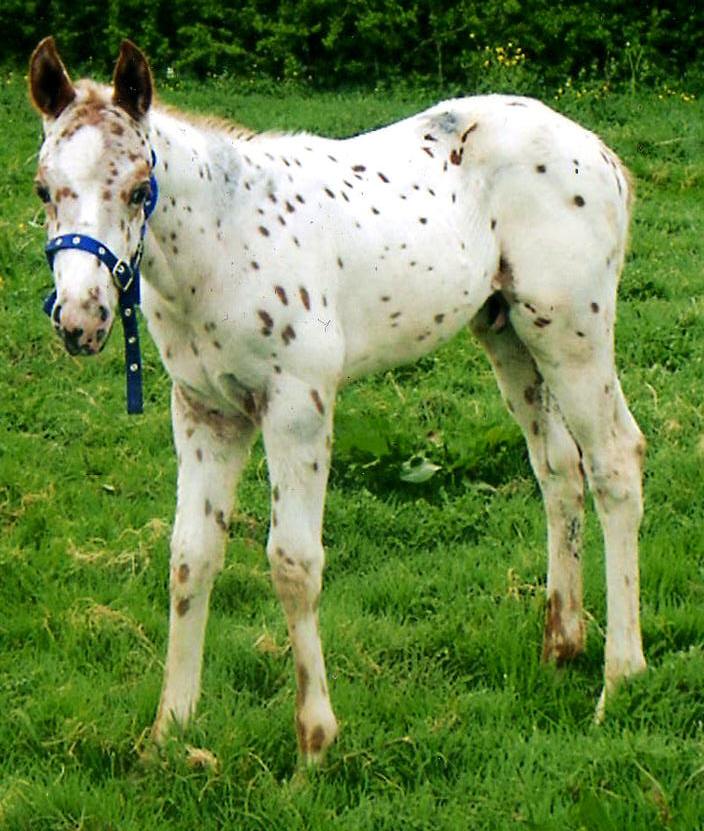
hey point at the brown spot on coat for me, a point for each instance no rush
(317, 400)
(183, 605)
(317, 740)
(266, 318)
(305, 297)
(470, 129)
(555, 643)
(281, 294)
(288, 334)
(302, 683)
(455, 157)
(183, 573)
(595, 307)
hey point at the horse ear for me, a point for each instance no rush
(132, 81)
(50, 87)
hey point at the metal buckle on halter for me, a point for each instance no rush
(118, 270)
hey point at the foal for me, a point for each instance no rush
(279, 267)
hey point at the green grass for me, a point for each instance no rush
(433, 603)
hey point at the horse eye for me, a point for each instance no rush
(140, 195)
(42, 192)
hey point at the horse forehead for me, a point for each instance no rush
(78, 155)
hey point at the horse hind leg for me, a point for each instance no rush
(556, 462)
(565, 317)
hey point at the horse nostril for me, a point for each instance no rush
(104, 313)
(71, 340)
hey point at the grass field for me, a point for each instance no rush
(433, 604)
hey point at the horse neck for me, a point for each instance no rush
(197, 170)
(184, 159)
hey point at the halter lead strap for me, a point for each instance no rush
(126, 277)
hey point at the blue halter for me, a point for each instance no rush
(126, 277)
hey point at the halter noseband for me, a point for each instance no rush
(126, 277)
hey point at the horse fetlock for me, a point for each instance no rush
(317, 728)
(563, 636)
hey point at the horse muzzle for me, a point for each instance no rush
(84, 330)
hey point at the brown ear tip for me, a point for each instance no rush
(45, 44)
(128, 45)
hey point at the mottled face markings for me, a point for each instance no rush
(263, 231)
(305, 297)
(329, 193)
(456, 157)
(288, 334)
(281, 294)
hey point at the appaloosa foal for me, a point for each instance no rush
(278, 267)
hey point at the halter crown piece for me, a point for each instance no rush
(126, 277)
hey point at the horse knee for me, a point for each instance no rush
(616, 476)
(194, 567)
(296, 572)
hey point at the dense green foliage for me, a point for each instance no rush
(433, 603)
(326, 42)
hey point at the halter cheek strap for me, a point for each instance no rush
(126, 277)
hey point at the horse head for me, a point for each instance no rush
(94, 177)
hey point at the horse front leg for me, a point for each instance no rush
(212, 450)
(297, 429)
